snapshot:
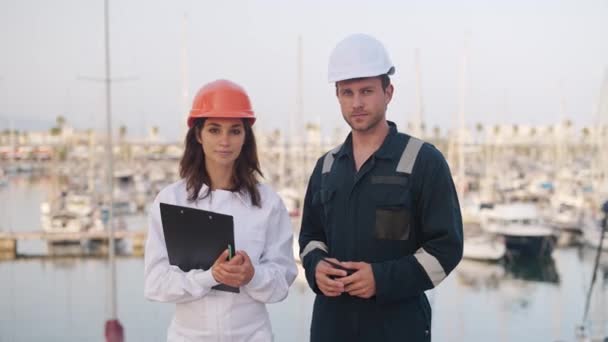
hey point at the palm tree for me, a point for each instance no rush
(585, 132)
(496, 131)
(436, 132)
(122, 132)
(55, 131)
(532, 143)
(60, 121)
(479, 129)
(58, 129)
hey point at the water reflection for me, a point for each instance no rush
(479, 275)
(596, 325)
(588, 255)
(65, 297)
(67, 254)
(533, 269)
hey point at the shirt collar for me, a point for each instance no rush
(387, 150)
(242, 195)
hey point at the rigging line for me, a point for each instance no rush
(595, 266)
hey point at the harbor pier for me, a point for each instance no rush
(10, 240)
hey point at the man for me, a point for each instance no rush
(381, 221)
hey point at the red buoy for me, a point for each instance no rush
(114, 331)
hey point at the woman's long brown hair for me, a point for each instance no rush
(244, 173)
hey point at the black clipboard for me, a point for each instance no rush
(195, 237)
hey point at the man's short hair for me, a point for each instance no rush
(386, 81)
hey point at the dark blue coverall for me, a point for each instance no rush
(400, 213)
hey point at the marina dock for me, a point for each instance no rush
(9, 240)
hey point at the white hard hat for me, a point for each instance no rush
(358, 55)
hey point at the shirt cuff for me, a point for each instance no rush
(257, 280)
(205, 278)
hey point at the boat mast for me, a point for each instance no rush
(461, 121)
(184, 72)
(419, 115)
(299, 173)
(113, 329)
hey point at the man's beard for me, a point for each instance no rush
(377, 119)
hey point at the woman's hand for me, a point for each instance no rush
(218, 269)
(246, 267)
(236, 272)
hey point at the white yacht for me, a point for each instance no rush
(521, 227)
(69, 213)
(566, 213)
(81, 205)
(123, 202)
(62, 222)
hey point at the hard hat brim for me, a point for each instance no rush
(352, 75)
(249, 115)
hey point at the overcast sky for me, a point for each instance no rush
(525, 57)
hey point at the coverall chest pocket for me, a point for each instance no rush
(325, 200)
(393, 215)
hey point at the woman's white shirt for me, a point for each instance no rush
(204, 314)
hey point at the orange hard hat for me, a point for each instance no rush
(221, 99)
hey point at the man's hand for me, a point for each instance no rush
(329, 287)
(236, 272)
(361, 283)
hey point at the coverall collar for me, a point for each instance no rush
(386, 151)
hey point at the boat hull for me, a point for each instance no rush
(530, 245)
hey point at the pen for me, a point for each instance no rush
(229, 251)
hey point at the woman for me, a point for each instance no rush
(219, 172)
